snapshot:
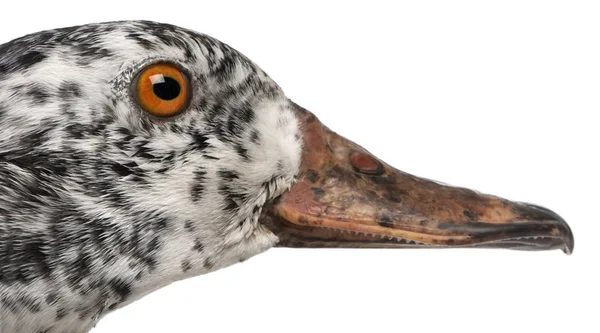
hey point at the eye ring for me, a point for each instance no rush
(162, 89)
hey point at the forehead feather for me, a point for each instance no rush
(115, 45)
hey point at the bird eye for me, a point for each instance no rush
(162, 90)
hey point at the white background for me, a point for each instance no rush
(502, 98)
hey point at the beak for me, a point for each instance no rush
(346, 197)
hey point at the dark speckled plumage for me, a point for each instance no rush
(101, 203)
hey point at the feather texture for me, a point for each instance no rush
(100, 203)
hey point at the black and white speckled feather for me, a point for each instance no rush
(101, 203)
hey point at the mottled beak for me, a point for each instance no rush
(346, 197)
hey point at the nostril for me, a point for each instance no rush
(364, 163)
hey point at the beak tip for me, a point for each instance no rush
(569, 242)
(566, 232)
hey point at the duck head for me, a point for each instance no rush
(135, 154)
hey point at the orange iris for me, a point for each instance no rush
(162, 90)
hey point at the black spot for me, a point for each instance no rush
(198, 187)
(124, 131)
(232, 200)
(138, 178)
(34, 252)
(145, 43)
(319, 192)
(80, 269)
(88, 51)
(69, 90)
(77, 131)
(29, 59)
(38, 94)
(162, 170)
(235, 125)
(52, 298)
(228, 175)
(143, 151)
(224, 68)
(470, 214)
(33, 306)
(168, 157)
(23, 258)
(121, 288)
(198, 246)
(168, 35)
(189, 226)
(254, 138)
(38, 190)
(382, 180)
(9, 304)
(85, 312)
(385, 221)
(3, 71)
(153, 245)
(123, 170)
(35, 139)
(393, 197)
(246, 114)
(176, 128)
(312, 175)
(243, 152)
(185, 266)
(208, 264)
(61, 313)
(159, 224)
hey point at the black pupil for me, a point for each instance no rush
(168, 89)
